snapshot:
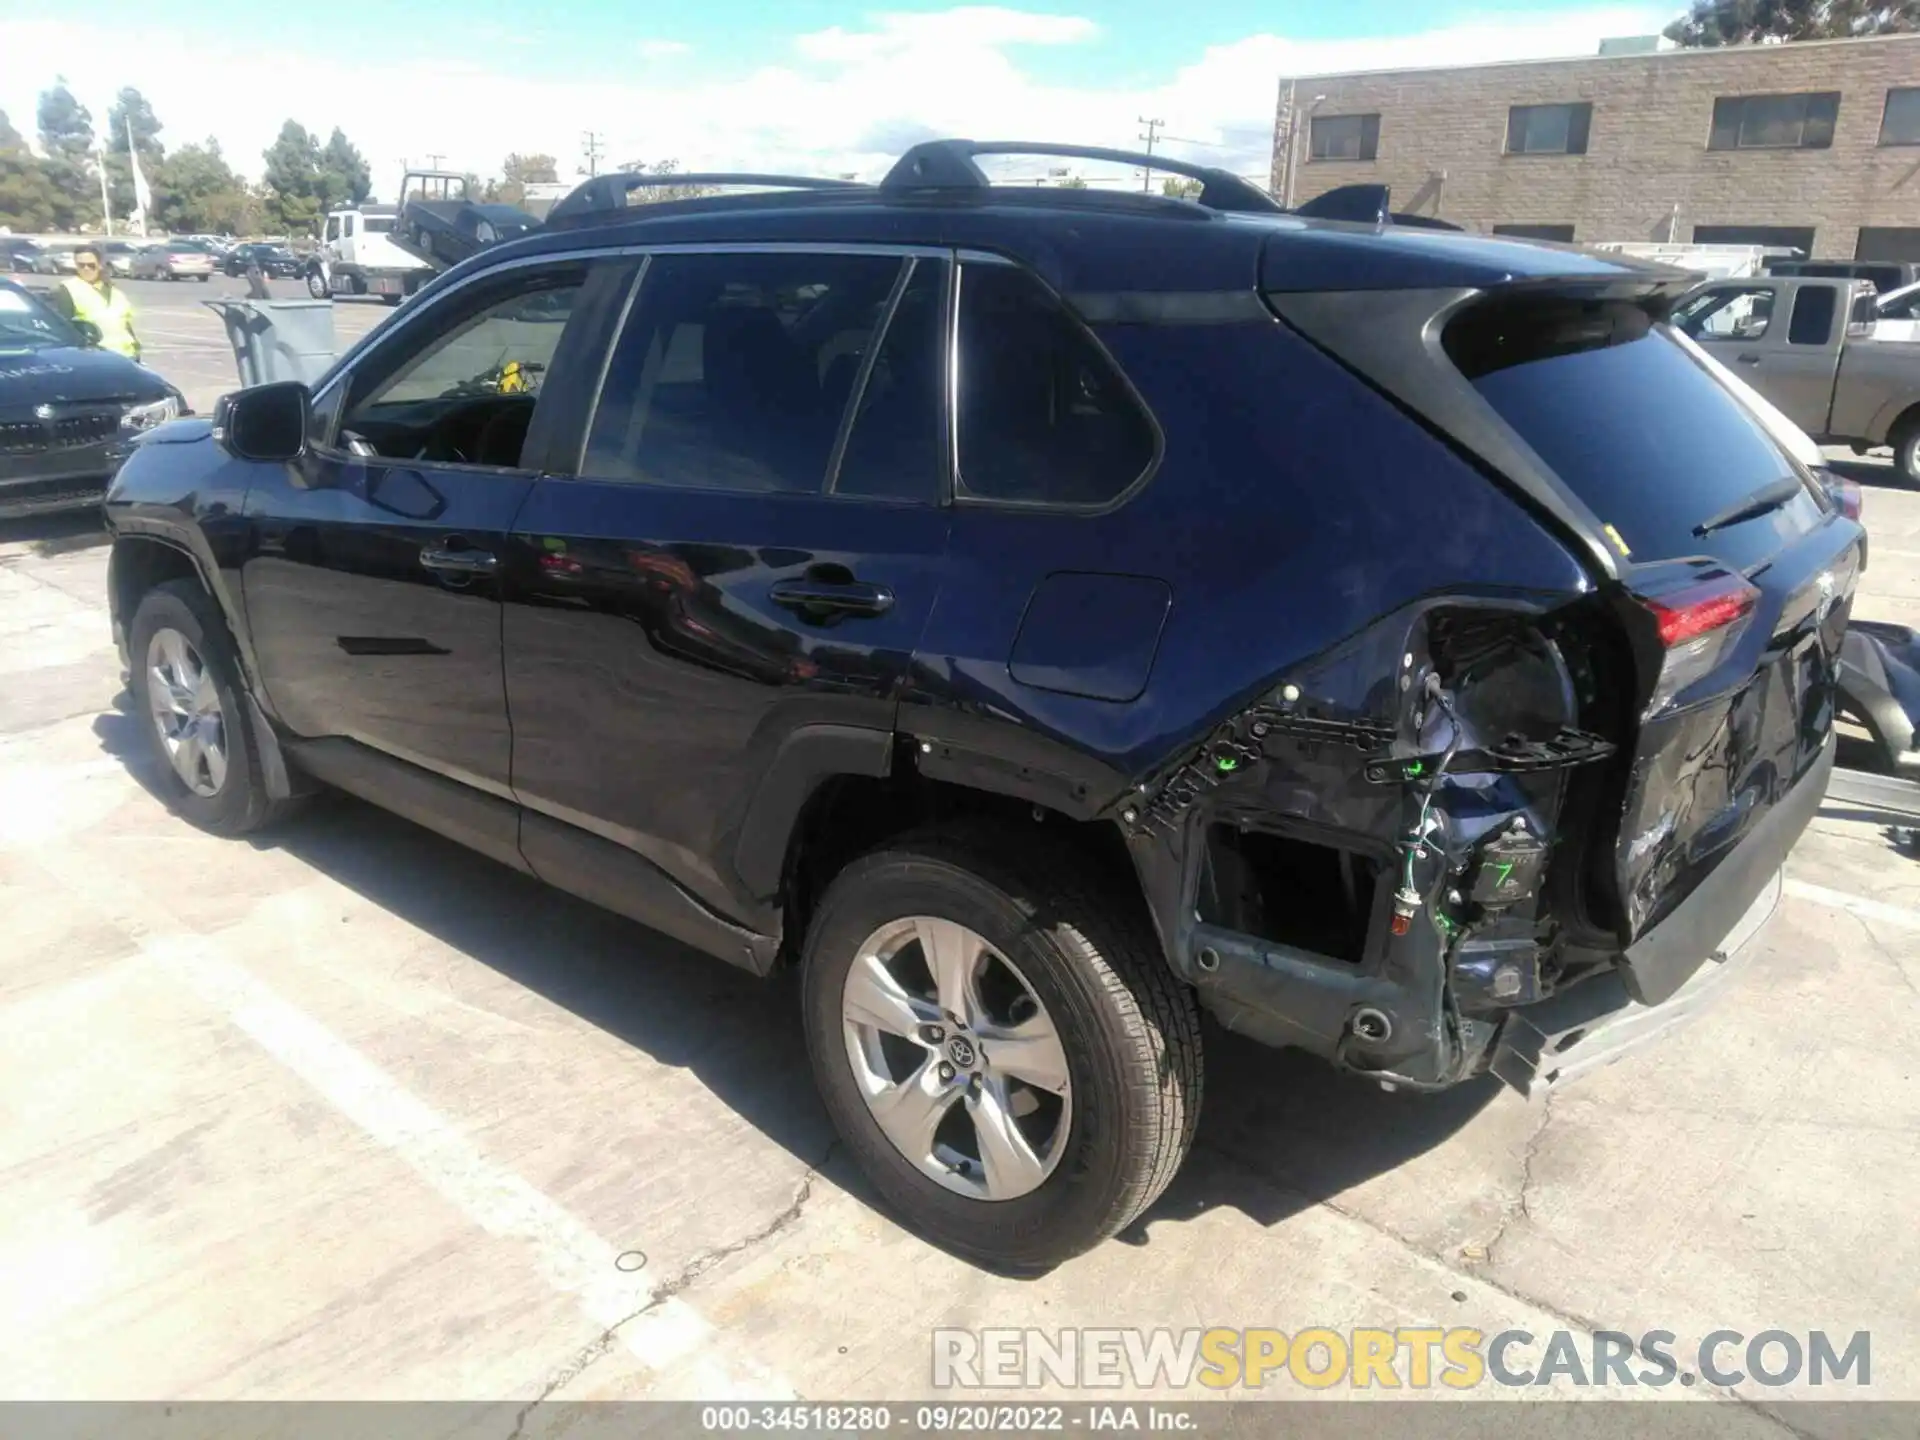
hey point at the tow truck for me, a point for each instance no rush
(357, 256)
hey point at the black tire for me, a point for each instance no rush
(390, 300)
(317, 285)
(241, 805)
(1129, 1029)
(1906, 450)
(204, 278)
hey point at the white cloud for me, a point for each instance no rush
(847, 100)
(662, 49)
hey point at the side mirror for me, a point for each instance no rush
(89, 333)
(267, 422)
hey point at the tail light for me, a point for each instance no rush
(1697, 625)
(1845, 494)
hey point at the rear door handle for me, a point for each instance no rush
(1748, 359)
(857, 598)
(460, 562)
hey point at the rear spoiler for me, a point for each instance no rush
(1366, 205)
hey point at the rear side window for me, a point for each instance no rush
(1812, 322)
(1648, 438)
(1045, 417)
(735, 370)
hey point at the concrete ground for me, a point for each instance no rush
(349, 1112)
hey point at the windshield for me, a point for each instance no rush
(26, 324)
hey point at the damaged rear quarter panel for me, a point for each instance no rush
(1295, 514)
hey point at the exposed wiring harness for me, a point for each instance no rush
(1409, 900)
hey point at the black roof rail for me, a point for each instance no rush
(948, 165)
(1366, 205)
(606, 193)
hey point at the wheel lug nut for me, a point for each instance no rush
(932, 1034)
(946, 1071)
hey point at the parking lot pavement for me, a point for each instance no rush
(184, 341)
(350, 1112)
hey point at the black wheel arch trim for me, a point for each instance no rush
(281, 781)
(808, 757)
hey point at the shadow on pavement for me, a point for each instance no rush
(58, 533)
(1279, 1133)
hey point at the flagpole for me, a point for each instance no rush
(106, 205)
(139, 183)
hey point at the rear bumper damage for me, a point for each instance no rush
(1592, 1025)
(1288, 997)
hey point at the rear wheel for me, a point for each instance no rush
(187, 694)
(1007, 1057)
(1906, 450)
(316, 284)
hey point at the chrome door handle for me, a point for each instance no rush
(848, 599)
(460, 562)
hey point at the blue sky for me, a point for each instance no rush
(822, 85)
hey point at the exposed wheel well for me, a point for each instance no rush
(849, 815)
(137, 565)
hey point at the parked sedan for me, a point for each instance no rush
(174, 260)
(118, 256)
(275, 260)
(17, 253)
(54, 260)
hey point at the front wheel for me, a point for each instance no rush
(1000, 1043)
(316, 285)
(187, 694)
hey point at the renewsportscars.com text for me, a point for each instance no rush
(1407, 1357)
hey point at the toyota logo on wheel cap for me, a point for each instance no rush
(960, 1050)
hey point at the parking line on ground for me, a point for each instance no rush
(662, 1332)
(1854, 904)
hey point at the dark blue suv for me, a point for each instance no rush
(1042, 616)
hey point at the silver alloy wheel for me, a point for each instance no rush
(185, 703)
(957, 1059)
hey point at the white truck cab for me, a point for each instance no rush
(357, 256)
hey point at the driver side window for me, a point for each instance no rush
(463, 386)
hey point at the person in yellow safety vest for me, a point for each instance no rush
(92, 296)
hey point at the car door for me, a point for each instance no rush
(373, 583)
(1769, 333)
(726, 596)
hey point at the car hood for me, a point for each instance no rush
(60, 373)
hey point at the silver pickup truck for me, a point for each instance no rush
(1807, 345)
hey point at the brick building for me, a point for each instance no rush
(1814, 145)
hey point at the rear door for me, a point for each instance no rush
(743, 564)
(1780, 336)
(373, 585)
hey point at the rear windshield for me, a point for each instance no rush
(1630, 422)
(377, 224)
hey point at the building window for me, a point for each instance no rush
(1344, 137)
(1774, 122)
(1901, 124)
(1888, 242)
(1787, 237)
(1563, 233)
(1548, 129)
